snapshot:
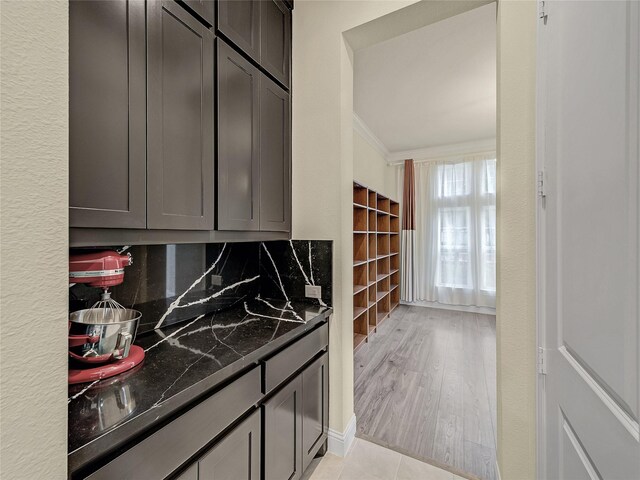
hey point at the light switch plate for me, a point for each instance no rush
(312, 291)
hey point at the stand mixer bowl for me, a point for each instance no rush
(98, 335)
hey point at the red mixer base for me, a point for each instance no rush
(91, 374)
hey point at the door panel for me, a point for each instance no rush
(282, 435)
(315, 408)
(204, 8)
(275, 43)
(107, 116)
(180, 189)
(590, 218)
(239, 21)
(238, 141)
(235, 457)
(275, 158)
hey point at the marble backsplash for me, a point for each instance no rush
(174, 283)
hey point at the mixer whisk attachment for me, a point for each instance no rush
(105, 310)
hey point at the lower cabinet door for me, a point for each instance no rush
(236, 456)
(283, 433)
(315, 408)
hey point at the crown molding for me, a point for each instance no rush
(443, 151)
(370, 137)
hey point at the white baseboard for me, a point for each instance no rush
(444, 306)
(340, 442)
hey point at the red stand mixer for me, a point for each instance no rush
(101, 337)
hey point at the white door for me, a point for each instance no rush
(588, 237)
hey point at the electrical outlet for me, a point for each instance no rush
(312, 291)
(216, 280)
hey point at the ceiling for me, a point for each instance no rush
(433, 86)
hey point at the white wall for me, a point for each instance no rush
(516, 249)
(33, 237)
(370, 167)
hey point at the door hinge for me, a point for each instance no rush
(540, 184)
(542, 13)
(542, 361)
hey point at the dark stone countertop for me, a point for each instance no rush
(182, 363)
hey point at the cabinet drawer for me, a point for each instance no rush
(281, 366)
(168, 448)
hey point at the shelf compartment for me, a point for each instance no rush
(394, 243)
(382, 266)
(360, 216)
(394, 298)
(360, 247)
(373, 318)
(372, 272)
(394, 224)
(372, 246)
(360, 194)
(360, 275)
(372, 220)
(394, 262)
(382, 223)
(358, 340)
(394, 208)
(383, 204)
(373, 199)
(381, 294)
(372, 295)
(394, 279)
(359, 288)
(382, 244)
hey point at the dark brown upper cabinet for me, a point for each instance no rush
(239, 21)
(275, 39)
(180, 121)
(204, 9)
(262, 30)
(275, 158)
(107, 114)
(238, 141)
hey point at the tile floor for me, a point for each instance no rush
(368, 461)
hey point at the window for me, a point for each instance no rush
(465, 225)
(453, 233)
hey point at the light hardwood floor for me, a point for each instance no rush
(425, 385)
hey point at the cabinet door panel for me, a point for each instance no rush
(275, 158)
(235, 457)
(180, 189)
(282, 436)
(315, 408)
(238, 141)
(107, 117)
(275, 39)
(204, 8)
(239, 21)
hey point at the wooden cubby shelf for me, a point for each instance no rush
(376, 259)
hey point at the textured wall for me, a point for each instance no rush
(33, 237)
(371, 169)
(516, 324)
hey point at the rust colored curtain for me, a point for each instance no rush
(408, 235)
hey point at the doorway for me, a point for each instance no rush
(425, 380)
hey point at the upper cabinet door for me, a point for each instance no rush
(204, 8)
(275, 43)
(239, 21)
(275, 158)
(107, 114)
(180, 125)
(238, 141)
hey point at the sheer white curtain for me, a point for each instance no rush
(456, 231)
